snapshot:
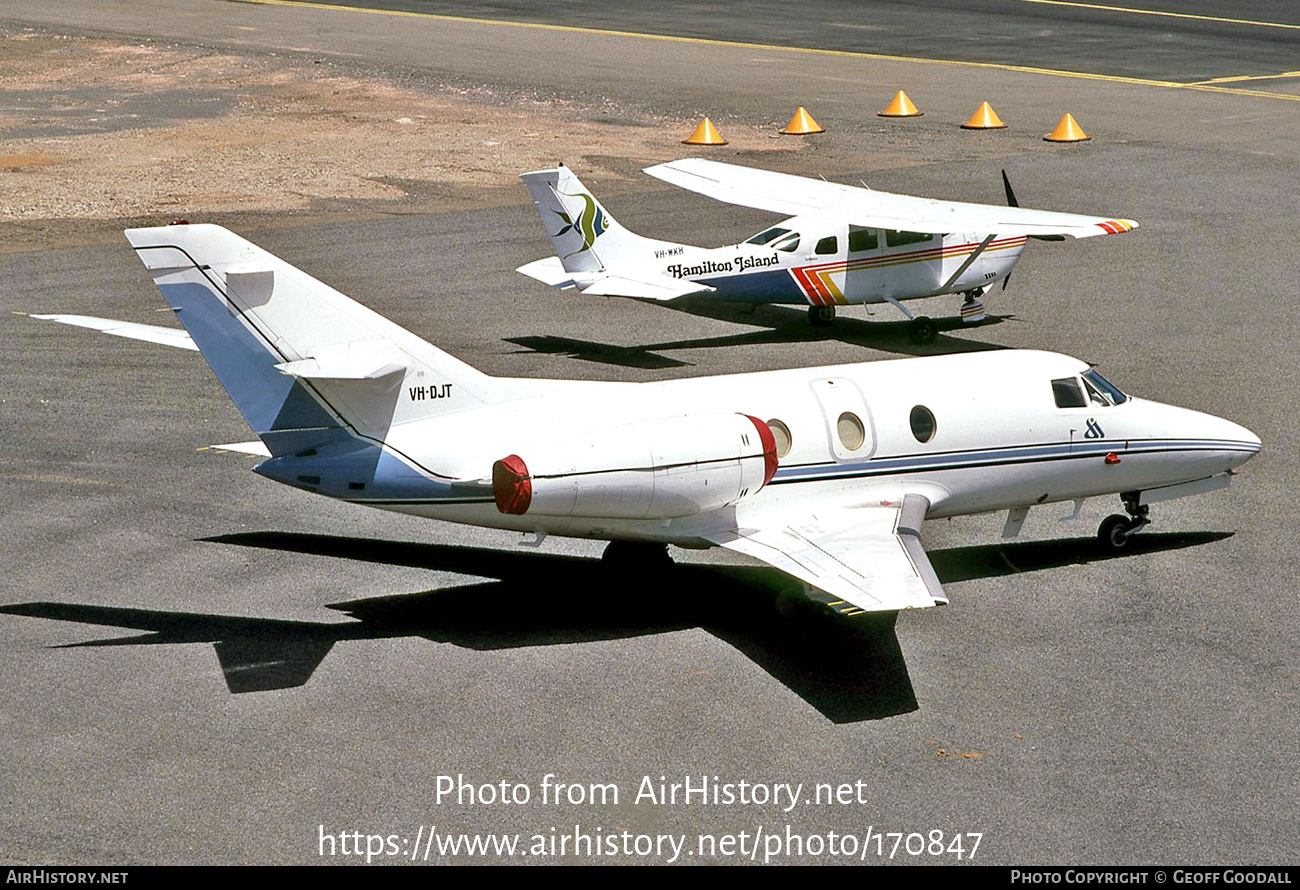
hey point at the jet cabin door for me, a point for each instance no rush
(849, 431)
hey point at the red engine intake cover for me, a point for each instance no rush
(512, 487)
(769, 448)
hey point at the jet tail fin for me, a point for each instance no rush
(303, 363)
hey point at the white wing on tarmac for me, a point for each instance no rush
(603, 284)
(153, 333)
(867, 208)
(866, 559)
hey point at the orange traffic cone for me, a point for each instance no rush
(705, 134)
(1068, 130)
(984, 118)
(900, 107)
(802, 124)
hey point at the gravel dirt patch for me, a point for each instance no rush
(96, 133)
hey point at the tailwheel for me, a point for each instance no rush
(820, 316)
(636, 556)
(922, 329)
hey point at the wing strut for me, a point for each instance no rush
(947, 285)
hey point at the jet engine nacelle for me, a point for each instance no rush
(653, 469)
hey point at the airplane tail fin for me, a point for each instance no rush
(586, 238)
(305, 365)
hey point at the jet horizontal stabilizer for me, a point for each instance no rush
(151, 333)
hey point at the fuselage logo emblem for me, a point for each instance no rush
(1094, 430)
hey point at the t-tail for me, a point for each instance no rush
(592, 251)
(309, 368)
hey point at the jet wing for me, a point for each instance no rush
(866, 559)
(151, 332)
(603, 284)
(867, 208)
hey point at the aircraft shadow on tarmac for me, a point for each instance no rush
(783, 324)
(849, 669)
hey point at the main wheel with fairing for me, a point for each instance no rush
(820, 316)
(922, 330)
(1115, 531)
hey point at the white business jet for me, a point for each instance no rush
(825, 473)
(843, 244)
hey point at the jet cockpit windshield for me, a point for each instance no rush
(1101, 391)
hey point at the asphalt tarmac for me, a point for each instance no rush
(203, 667)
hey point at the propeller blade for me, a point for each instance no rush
(1011, 196)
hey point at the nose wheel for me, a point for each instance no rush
(972, 310)
(1116, 530)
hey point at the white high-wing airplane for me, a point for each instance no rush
(843, 244)
(825, 473)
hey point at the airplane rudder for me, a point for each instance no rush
(181, 260)
(573, 218)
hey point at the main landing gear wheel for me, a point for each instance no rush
(636, 556)
(821, 316)
(922, 330)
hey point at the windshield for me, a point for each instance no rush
(1102, 390)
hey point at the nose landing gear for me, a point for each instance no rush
(1116, 530)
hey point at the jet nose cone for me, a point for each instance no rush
(1236, 438)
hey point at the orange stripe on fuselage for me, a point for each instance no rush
(819, 290)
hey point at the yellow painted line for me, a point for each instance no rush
(1279, 76)
(801, 50)
(1129, 10)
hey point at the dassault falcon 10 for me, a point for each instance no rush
(824, 473)
(843, 244)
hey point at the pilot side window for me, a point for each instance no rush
(1094, 395)
(829, 244)
(787, 243)
(863, 239)
(896, 238)
(1068, 393)
(767, 235)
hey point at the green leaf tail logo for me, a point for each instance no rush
(590, 224)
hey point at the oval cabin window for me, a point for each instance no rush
(923, 425)
(851, 431)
